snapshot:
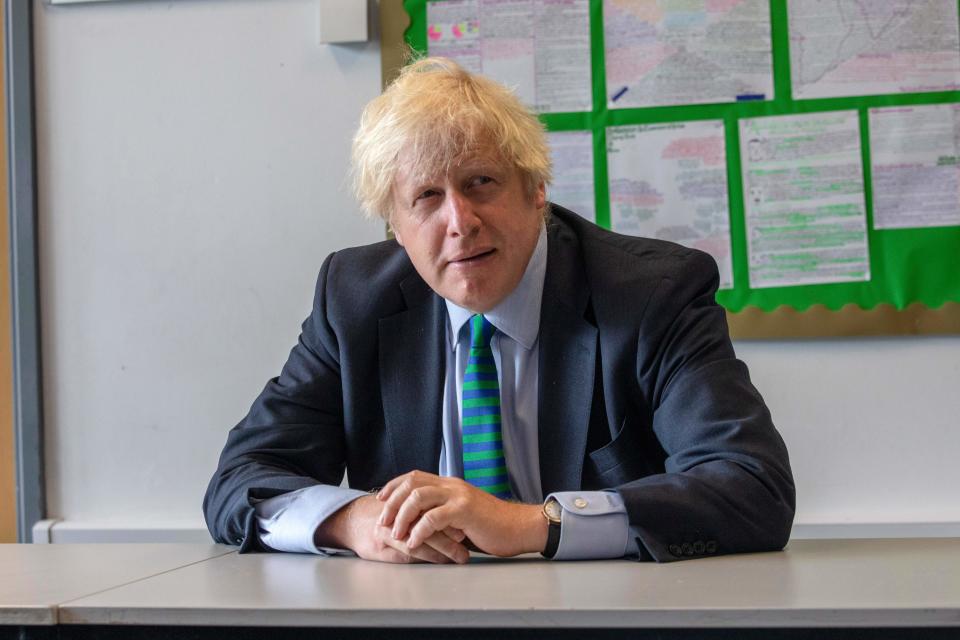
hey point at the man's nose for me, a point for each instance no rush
(462, 220)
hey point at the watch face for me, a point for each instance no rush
(553, 510)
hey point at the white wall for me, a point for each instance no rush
(191, 170)
(192, 177)
(872, 425)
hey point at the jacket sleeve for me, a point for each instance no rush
(291, 438)
(727, 485)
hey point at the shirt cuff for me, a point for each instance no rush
(289, 521)
(593, 525)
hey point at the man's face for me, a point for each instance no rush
(470, 232)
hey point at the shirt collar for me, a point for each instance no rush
(517, 315)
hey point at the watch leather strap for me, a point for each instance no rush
(553, 527)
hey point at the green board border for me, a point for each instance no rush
(907, 265)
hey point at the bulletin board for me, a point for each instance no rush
(870, 127)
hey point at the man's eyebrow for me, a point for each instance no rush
(421, 186)
(481, 167)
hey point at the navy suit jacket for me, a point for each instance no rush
(640, 391)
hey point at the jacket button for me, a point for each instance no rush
(675, 550)
(711, 546)
(687, 549)
(699, 547)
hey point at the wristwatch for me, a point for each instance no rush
(552, 512)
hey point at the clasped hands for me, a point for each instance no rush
(422, 517)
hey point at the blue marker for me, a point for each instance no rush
(747, 97)
(619, 94)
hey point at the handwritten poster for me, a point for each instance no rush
(662, 53)
(573, 188)
(539, 48)
(856, 48)
(669, 181)
(915, 158)
(803, 191)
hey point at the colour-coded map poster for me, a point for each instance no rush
(669, 181)
(805, 212)
(662, 52)
(866, 47)
(915, 153)
(540, 48)
(573, 188)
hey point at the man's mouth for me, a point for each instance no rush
(473, 257)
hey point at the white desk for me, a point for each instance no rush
(35, 579)
(815, 583)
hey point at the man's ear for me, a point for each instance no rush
(540, 196)
(396, 234)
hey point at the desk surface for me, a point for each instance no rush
(36, 578)
(814, 583)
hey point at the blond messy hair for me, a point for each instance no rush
(437, 113)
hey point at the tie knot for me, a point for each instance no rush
(481, 332)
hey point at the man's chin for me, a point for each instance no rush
(476, 301)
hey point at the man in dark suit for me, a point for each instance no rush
(498, 352)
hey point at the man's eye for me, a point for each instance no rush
(481, 180)
(429, 193)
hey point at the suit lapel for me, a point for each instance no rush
(412, 370)
(568, 351)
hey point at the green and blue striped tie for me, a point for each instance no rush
(484, 465)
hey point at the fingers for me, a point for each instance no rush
(455, 534)
(410, 479)
(439, 549)
(387, 489)
(416, 498)
(444, 544)
(429, 524)
(391, 555)
(417, 502)
(393, 494)
(427, 553)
